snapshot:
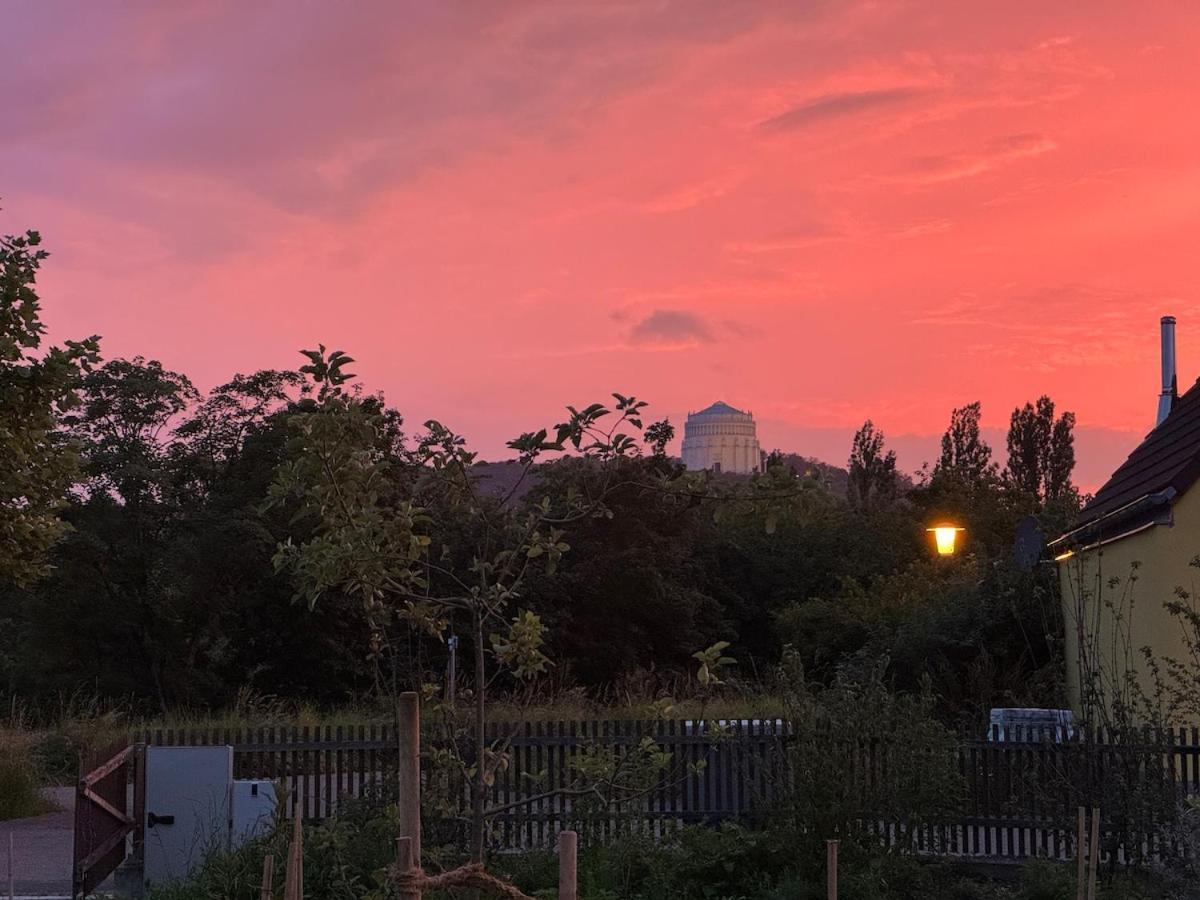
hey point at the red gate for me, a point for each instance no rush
(104, 816)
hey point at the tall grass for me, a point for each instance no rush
(20, 775)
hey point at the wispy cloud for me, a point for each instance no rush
(1000, 152)
(836, 105)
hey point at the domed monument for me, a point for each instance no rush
(722, 439)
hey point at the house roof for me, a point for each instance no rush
(1169, 457)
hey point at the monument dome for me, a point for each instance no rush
(722, 439)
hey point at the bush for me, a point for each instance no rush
(862, 755)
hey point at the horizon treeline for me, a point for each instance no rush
(161, 589)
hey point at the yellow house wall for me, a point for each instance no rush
(1117, 609)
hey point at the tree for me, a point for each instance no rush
(1041, 451)
(966, 457)
(215, 431)
(170, 554)
(37, 464)
(658, 435)
(630, 598)
(129, 407)
(872, 471)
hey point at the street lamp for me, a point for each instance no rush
(946, 538)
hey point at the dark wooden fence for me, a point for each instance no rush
(1020, 791)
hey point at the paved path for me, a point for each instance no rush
(42, 849)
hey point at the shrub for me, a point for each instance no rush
(860, 756)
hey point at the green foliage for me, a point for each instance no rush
(520, 650)
(861, 754)
(979, 632)
(171, 600)
(711, 662)
(39, 464)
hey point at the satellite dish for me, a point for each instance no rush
(1028, 546)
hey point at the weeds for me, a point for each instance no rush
(20, 778)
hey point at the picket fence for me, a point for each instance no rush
(1021, 790)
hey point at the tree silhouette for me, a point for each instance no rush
(966, 457)
(872, 470)
(1041, 451)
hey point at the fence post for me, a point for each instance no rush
(12, 875)
(406, 863)
(293, 877)
(831, 869)
(1080, 860)
(409, 775)
(1094, 853)
(568, 849)
(268, 877)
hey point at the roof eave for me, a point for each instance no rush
(1142, 506)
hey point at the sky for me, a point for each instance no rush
(822, 212)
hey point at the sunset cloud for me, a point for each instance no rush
(670, 326)
(835, 106)
(997, 153)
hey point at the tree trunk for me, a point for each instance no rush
(478, 793)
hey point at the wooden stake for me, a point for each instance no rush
(568, 868)
(293, 879)
(409, 781)
(268, 878)
(12, 874)
(831, 867)
(1080, 859)
(1094, 853)
(404, 860)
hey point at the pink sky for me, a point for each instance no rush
(822, 212)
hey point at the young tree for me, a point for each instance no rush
(1041, 451)
(37, 465)
(966, 457)
(382, 549)
(872, 470)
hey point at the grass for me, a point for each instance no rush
(20, 776)
(80, 721)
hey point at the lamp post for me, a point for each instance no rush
(945, 538)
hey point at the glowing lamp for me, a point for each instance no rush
(946, 537)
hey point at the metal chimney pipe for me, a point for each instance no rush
(1170, 384)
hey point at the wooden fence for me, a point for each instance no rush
(1019, 799)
